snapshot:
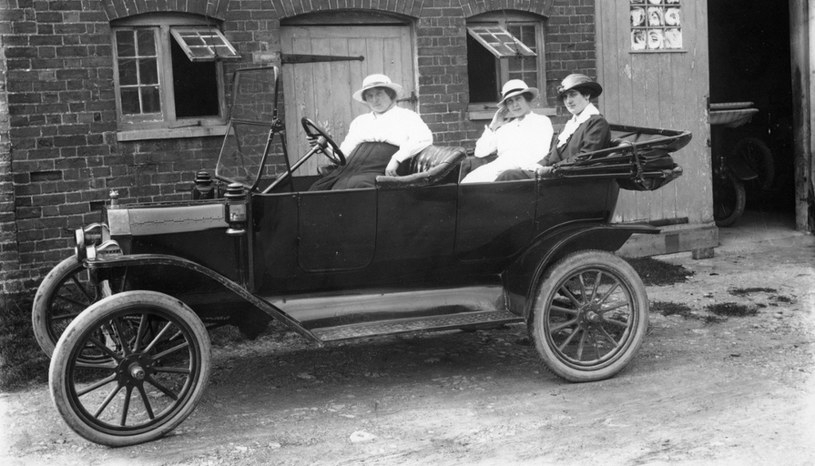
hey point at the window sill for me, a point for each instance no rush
(484, 112)
(171, 133)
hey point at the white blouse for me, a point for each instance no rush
(520, 144)
(398, 126)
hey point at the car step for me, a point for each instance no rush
(390, 327)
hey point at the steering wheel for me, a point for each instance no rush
(314, 131)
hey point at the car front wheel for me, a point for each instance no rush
(590, 316)
(158, 365)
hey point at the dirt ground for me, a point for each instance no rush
(704, 389)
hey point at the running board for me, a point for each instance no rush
(413, 324)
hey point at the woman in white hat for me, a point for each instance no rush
(586, 131)
(519, 137)
(378, 141)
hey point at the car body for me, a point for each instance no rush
(418, 252)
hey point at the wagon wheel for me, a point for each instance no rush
(729, 199)
(758, 156)
(590, 316)
(157, 371)
(66, 291)
(313, 131)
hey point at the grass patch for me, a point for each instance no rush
(732, 309)
(22, 362)
(741, 292)
(672, 309)
(657, 273)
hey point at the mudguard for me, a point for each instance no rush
(521, 277)
(142, 260)
(740, 169)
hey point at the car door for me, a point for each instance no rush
(336, 229)
(495, 220)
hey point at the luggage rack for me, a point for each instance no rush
(639, 158)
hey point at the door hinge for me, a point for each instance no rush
(286, 58)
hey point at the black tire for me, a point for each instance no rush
(729, 200)
(65, 291)
(589, 316)
(759, 158)
(157, 372)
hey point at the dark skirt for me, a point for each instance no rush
(364, 164)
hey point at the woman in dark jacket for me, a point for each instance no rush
(586, 131)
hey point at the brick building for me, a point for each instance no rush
(80, 122)
(101, 95)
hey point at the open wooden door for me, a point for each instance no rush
(321, 90)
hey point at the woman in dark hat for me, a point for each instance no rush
(378, 141)
(586, 131)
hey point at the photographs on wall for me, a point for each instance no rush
(656, 25)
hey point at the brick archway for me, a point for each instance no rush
(472, 8)
(289, 8)
(117, 9)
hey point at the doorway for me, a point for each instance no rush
(322, 90)
(749, 50)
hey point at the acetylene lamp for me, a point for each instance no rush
(203, 187)
(235, 209)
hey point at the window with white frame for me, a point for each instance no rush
(168, 74)
(500, 47)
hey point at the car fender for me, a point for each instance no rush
(522, 276)
(142, 260)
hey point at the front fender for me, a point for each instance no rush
(142, 260)
(522, 276)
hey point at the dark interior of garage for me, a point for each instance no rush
(750, 62)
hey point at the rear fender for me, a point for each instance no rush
(521, 277)
(740, 169)
(142, 260)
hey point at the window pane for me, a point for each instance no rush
(125, 46)
(148, 71)
(130, 101)
(147, 44)
(499, 41)
(525, 67)
(151, 103)
(127, 72)
(195, 85)
(203, 43)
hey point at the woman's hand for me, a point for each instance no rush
(500, 118)
(544, 171)
(393, 165)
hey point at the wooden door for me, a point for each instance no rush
(661, 89)
(322, 91)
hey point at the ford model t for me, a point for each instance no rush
(126, 318)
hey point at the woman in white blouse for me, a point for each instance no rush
(519, 137)
(378, 141)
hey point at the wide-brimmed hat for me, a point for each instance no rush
(580, 83)
(515, 87)
(376, 80)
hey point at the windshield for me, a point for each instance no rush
(252, 118)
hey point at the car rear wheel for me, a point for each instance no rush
(590, 316)
(66, 291)
(159, 364)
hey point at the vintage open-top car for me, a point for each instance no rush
(125, 318)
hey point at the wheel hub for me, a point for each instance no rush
(590, 315)
(136, 371)
(133, 369)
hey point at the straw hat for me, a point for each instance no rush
(376, 80)
(580, 83)
(515, 87)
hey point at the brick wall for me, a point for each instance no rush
(59, 156)
(9, 262)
